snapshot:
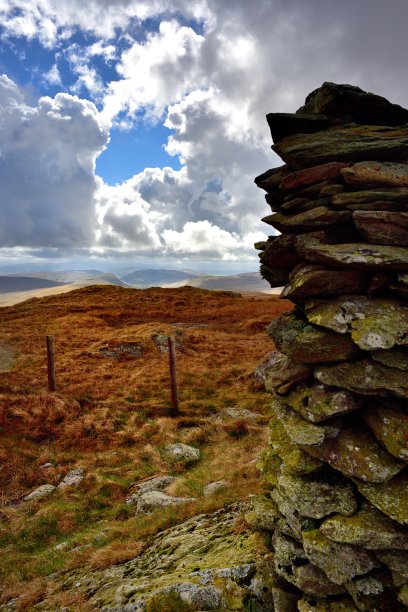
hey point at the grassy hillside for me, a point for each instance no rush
(110, 417)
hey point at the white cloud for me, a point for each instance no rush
(47, 161)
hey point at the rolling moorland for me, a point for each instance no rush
(110, 417)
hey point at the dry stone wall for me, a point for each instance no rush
(336, 464)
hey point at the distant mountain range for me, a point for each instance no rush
(10, 284)
(247, 282)
(157, 277)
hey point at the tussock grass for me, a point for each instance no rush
(111, 417)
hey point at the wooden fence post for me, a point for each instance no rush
(173, 378)
(51, 363)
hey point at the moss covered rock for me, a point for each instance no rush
(390, 497)
(389, 424)
(317, 402)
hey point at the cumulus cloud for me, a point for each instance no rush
(209, 71)
(47, 162)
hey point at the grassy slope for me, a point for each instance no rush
(111, 417)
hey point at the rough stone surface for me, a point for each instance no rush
(341, 562)
(355, 453)
(382, 227)
(316, 498)
(39, 492)
(214, 487)
(373, 323)
(182, 452)
(282, 373)
(312, 280)
(73, 478)
(307, 221)
(147, 502)
(390, 426)
(160, 483)
(368, 528)
(317, 402)
(359, 256)
(391, 497)
(305, 343)
(373, 174)
(365, 376)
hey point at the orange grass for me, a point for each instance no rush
(111, 416)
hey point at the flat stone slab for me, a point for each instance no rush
(301, 431)
(355, 453)
(310, 176)
(374, 323)
(382, 227)
(340, 562)
(368, 527)
(348, 142)
(308, 280)
(373, 174)
(389, 424)
(316, 498)
(359, 256)
(385, 198)
(317, 402)
(306, 343)
(390, 497)
(365, 376)
(40, 492)
(308, 221)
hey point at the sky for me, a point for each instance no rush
(132, 130)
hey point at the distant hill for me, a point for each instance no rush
(243, 283)
(157, 277)
(9, 284)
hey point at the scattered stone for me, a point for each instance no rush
(182, 452)
(229, 413)
(160, 483)
(72, 479)
(40, 492)
(162, 341)
(124, 350)
(147, 502)
(213, 487)
(316, 498)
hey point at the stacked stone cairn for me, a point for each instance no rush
(337, 506)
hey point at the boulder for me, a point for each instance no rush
(214, 487)
(159, 483)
